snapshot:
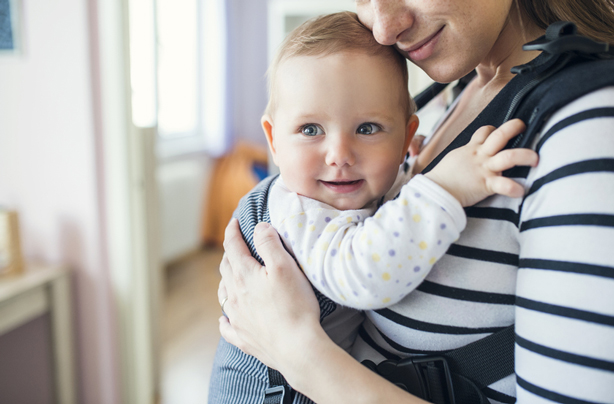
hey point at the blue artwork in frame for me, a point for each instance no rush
(8, 22)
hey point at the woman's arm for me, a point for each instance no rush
(274, 316)
(565, 286)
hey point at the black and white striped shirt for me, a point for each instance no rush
(544, 262)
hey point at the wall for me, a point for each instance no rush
(248, 59)
(48, 171)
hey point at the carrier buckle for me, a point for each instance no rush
(427, 377)
(277, 395)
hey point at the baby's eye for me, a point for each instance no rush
(311, 130)
(367, 129)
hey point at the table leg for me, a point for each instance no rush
(62, 340)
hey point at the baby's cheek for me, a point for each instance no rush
(388, 178)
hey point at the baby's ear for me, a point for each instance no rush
(410, 131)
(267, 125)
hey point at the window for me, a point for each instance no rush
(177, 68)
(178, 73)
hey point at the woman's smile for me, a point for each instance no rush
(424, 48)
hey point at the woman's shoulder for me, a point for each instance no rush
(602, 98)
(582, 122)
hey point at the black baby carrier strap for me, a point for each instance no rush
(576, 66)
(457, 376)
(569, 67)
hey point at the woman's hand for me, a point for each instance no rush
(274, 315)
(267, 306)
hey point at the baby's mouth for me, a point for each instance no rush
(343, 186)
(343, 182)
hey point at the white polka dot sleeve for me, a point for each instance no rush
(369, 262)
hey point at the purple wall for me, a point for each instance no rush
(248, 59)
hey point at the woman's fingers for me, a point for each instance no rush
(264, 303)
(270, 248)
(230, 335)
(237, 265)
(297, 300)
(496, 140)
(240, 260)
(221, 291)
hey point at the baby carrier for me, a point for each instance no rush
(569, 67)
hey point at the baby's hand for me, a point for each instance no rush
(473, 172)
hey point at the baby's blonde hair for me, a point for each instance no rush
(332, 33)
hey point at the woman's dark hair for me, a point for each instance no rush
(594, 18)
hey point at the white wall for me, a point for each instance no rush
(48, 171)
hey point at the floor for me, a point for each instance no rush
(190, 327)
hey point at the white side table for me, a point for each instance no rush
(39, 290)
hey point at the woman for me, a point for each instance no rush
(543, 262)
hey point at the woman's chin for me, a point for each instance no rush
(444, 72)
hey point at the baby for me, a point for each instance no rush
(339, 123)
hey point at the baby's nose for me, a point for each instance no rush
(340, 153)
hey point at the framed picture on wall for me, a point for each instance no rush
(11, 259)
(10, 38)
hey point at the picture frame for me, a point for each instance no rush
(10, 27)
(11, 258)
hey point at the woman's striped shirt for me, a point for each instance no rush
(544, 262)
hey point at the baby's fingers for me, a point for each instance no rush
(501, 136)
(509, 158)
(504, 186)
(480, 135)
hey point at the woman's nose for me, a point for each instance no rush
(390, 19)
(340, 153)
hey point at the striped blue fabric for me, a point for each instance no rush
(238, 378)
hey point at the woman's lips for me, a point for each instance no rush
(425, 48)
(343, 187)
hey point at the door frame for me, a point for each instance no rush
(130, 210)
